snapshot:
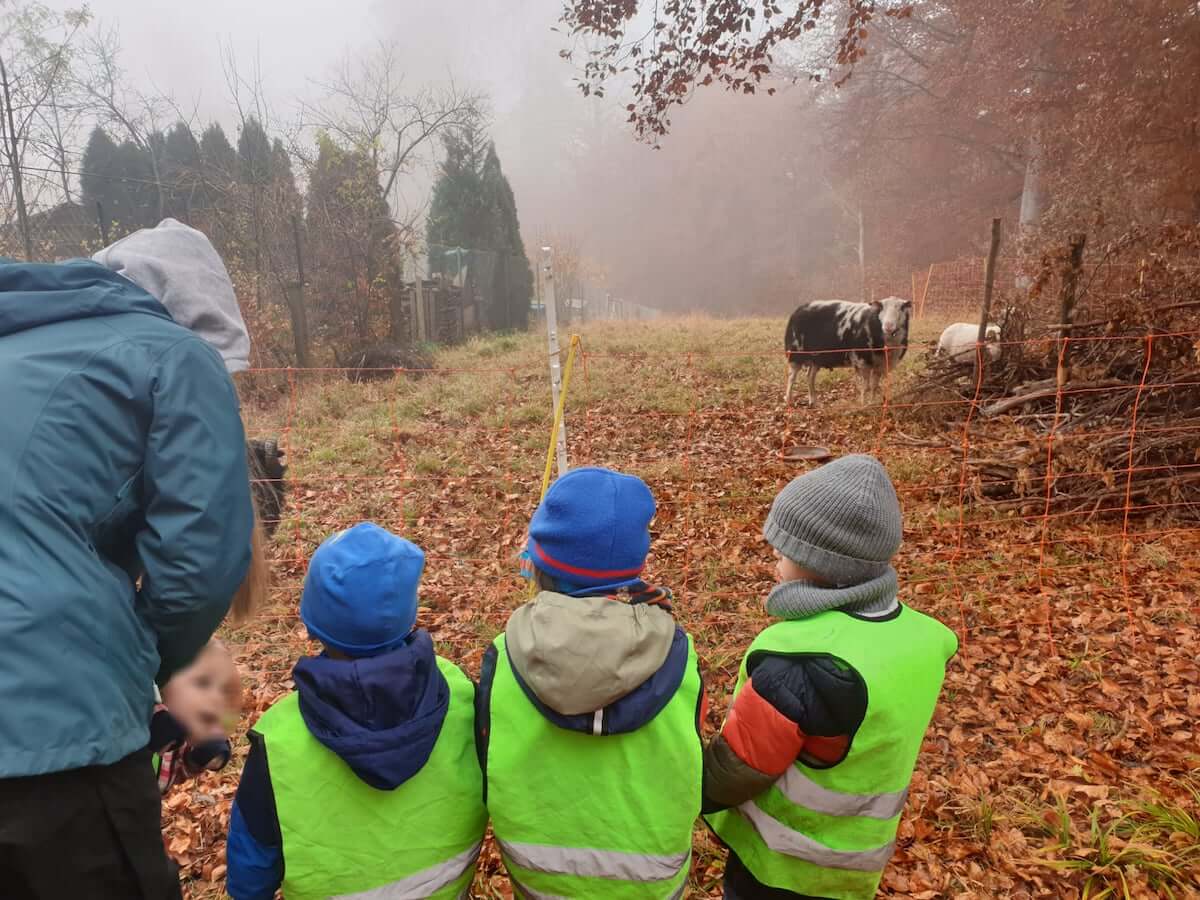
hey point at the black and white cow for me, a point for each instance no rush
(268, 487)
(831, 334)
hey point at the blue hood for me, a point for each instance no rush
(382, 714)
(36, 294)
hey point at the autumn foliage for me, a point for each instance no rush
(923, 120)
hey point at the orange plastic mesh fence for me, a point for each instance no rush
(451, 458)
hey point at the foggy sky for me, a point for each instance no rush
(688, 226)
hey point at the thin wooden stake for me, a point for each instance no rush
(985, 311)
(925, 291)
(1070, 285)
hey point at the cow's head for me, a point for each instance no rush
(893, 316)
(992, 339)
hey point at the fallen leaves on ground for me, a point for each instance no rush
(1071, 704)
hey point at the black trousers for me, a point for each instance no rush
(90, 833)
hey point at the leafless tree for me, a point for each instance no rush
(36, 53)
(109, 95)
(368, 105)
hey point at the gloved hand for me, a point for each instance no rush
(212, 754)
(165, 730)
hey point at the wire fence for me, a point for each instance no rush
(451, 458)
(955, 287)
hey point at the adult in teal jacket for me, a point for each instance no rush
(125, 529)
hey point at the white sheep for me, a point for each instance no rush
(958, 342)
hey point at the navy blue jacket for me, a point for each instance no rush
(122, 457)
(382, 715)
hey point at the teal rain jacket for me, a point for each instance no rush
(122, 457)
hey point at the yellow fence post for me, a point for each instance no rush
(558, 416)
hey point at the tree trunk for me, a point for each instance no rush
(1031, 205)
(396, 314)
(60, 151)
(985, 312)
(12, 148)
(158, 185)
(256, 212)
(102, 222)
(1031, 193)
(500, 293)
(862, 255)
(368, 276)
(1070, 284)
(296, 302)
(421, 334)
(397, 293)
(1033, 199)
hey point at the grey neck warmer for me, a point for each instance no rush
(801, 599)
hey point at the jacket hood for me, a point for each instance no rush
(36, 294)
(382, 715)
(180, 267)
(594, 664)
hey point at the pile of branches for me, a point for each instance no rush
(1100, 413)
(1098, 456)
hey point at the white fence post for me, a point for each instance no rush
(550, 306)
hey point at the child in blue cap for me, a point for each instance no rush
(364, 778)
(589, 707)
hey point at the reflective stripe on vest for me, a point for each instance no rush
(424, 883)
(782, 839)
(803, 791)
(578, 814)
(588, 863)
(830, 832)
(344, 838)
(531, 894)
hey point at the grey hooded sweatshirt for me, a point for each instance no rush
(180, 268)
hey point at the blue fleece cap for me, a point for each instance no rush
(360, 593)
(592, 530)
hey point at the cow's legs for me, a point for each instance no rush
(793, 368)
(812, 384)
(875, 379)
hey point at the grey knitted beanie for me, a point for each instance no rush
(841, 521)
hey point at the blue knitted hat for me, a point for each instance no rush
(592, 530)
(360, 593)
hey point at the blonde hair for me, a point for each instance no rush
(251, 595)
